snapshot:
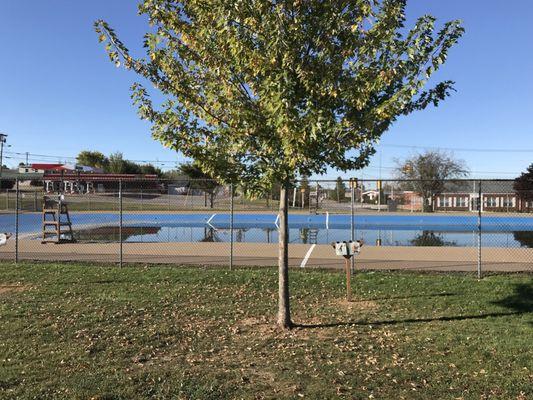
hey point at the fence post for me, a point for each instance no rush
(120, 221)
(317, 194)
(168, 196)
(17, 206)
(480, 205)
(231, 228)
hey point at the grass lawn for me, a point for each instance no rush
(80, 331)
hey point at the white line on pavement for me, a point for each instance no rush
(307, 255)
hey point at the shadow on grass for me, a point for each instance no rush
(518, 303)
(410, 297)
(521, 301)
(408, 320)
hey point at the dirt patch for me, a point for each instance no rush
(5, 289)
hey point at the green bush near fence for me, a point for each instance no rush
(83, 331)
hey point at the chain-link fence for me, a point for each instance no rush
(460, 225)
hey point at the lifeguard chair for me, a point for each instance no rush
(56, 217)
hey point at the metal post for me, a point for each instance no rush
(3, 137)
(480, 205)
(317, 194)
(231, 228)
(17, 206)
(348, 283)
(120, 221)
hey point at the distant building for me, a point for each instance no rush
(496, 196)
(57, 168)
(72, 178)
(41, 168)
(410, 200)
(82, 182)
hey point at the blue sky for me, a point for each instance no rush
(59, 94)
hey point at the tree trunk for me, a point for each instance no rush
(212, 198)
(284, 312)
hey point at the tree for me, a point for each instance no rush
(201, 180)
(117, 164)
(429, 172)
(93, 159)
(261, 91)
(149, 169)
(339, 193)
(303, 191)
(523, 185)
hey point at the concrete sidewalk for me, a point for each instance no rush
(262, 254)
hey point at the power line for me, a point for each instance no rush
(474, 172)
(49, 157)
(460, 149)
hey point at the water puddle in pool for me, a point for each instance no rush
(153, 234)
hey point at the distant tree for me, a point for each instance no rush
(149, 169)
(118, 165)
(172, 174)
(201, 180)
(339, 193)
(93, 159)
(264, 91)
(429, 172)
(523, 185)
(303, 188)
(131, 167)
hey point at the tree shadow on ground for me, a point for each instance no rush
(518, 303)
(408, 320)
(409, 297)
(521, 301)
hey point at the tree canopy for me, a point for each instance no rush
(94, 159)
(199, 178)
(265, 90)
(523, 185)
(339, 193)
(115, 163)
(428, 172)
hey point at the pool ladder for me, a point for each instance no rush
(60, 223)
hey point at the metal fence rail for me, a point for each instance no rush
(460, 225)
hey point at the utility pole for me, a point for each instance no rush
(3, 139)
(27, 158)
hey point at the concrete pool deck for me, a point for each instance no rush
(264, 254)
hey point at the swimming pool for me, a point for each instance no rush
(389, 230)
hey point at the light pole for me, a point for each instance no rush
(3, 139)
